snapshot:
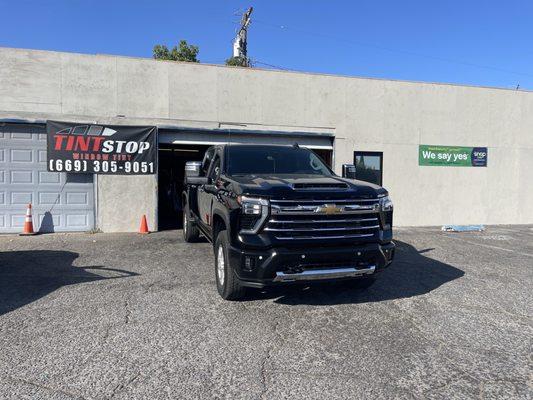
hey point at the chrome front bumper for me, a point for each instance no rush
(317, 274)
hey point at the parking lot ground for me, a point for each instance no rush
(124, 316)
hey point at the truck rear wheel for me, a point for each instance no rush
(228, 285)
(190, 230)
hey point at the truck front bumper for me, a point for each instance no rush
(288, 265)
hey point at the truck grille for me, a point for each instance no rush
(323, 219)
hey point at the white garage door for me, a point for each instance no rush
(61, 202)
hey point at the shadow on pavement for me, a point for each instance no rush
(411, 274)
(26, 276)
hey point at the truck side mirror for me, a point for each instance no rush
(348, 171)
(193, 169)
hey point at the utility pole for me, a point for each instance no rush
(240, 44)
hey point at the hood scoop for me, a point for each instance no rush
(320, 186)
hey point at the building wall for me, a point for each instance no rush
(365, 114)
(123, 200)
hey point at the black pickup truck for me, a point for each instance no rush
(278, 214)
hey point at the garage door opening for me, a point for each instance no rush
(172, 159)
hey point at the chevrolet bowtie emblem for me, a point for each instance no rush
(329, 209)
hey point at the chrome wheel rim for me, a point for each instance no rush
(185, 222)
(220, 265)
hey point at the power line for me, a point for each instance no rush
(271, 65)
(383, 48)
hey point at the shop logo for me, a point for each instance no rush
(479, 156)
(87, 130)
(92, 139)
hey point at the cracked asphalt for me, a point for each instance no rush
(124, 316)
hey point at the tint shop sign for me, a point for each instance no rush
(101, 149)
(452, 156)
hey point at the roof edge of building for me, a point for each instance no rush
(287, 71)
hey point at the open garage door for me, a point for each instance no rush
(171, 175)
(315, 141)
(61, 202)
(177, 146)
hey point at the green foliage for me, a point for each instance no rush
(238, 62)
(183, 52)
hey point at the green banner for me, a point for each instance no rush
(452, 156)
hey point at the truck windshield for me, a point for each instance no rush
(270, 160)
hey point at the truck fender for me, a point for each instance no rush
(218, 214)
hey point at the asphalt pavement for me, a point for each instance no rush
(125, 316)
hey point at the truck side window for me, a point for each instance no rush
(206, 162)
(214, 171)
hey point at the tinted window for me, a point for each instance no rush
(264, 160)
(207, 159)
(79, 130)
(215, 168)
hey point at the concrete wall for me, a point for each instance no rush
(395, 117)
(123, 200)
(365, 114)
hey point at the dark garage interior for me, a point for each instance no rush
(172, 159)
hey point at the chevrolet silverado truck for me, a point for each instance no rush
(278, 215)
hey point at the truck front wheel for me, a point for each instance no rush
(227, 283)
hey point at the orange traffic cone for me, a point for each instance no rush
(144, 225)
(28, 223)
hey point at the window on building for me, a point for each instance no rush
(369, 166)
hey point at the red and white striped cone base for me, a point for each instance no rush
(28, 223)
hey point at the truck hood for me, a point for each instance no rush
(302, 186)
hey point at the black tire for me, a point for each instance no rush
(190, 230)
(228, 285)
(364, 282)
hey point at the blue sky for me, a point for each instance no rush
(487, 43)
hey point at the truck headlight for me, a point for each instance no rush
(385, 203)
(254, 213)
(252, 205)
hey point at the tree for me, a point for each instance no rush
(184, 52)
(238, 62)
